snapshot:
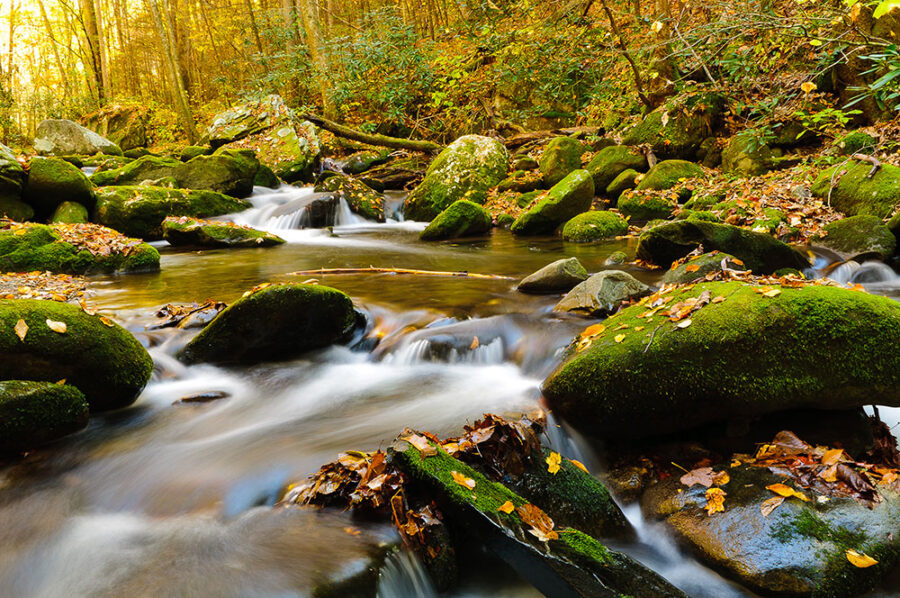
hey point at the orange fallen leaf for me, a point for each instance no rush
(474, 344)
(691, 268)
(553, 462)
(106, 321)
(786, 491)
(860, 560)
(21, 329)
(506, 507)
(832, 456)
(581, 466)
(593, 330)
(770, 505)
(715, 501)
(55, 326)
(421, 443)
(463, 480)
(720, 478)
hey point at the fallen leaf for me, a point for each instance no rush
(683, 323)
(106, 321)
(581, 466)
(832, 456)
(691, 268)
(553, 462)
(772, 294)
(860, 560)
(786, 491)
(540, 522)
(770, 505)
(463, 480)
(701, 475)
(638, 328)
(474, 344)
(715, 501)
(21, 329)
(55, 326)
(593, 330)
(718, 299)
(421, 443)
(507, 507)
(619, 338)
(720, 478)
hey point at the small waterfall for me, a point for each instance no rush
(344, 216)
(88, 170)
(404, 576)
(431, 350)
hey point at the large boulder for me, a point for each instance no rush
(851, 190)
(60, 137)
(15, 209)
(185, 230)
(565, 200)
(610, 162)
(669, 173)
(361, 198)
(860, 237)
(594, 226)
(762, 253)
(465, 169)
(677, 129)
(602, 293)
(52, 181)
(747, 156)
(647, 206)
(277, 321)
(72, 249)
(462, 219)
(124, 125)
(33, 413)
(744, 351)
(138, 211)
(561, 156)
(12, 175)
(558, 276)
(145, 168)
(92, 353)
(626, 181)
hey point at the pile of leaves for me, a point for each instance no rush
(99, 240)
(180, 316)
(43, 285)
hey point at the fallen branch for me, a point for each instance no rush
(875, 162)
(374, 270)
(379, 140)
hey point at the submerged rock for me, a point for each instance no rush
(602, 293)
(746, 355)
(463, 218)
(67, 138)
(466, 169)
(184, 230)
(611, 162)
(361, 198)
(52, 181)
(92, 353)
(276, 321)
(594, 226)
(863, 236)
(565, 200)
(139, 211)
(559, 276)
(34, 413)
(561, 156)
(855, 192)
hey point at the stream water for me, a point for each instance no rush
(172, 499)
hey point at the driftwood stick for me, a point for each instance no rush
(379, 140)
(374, 270)
(875, 162)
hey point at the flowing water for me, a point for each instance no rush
(170, 498)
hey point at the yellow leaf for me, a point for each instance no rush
(772, 294)
(619, 338)
(463, 480)
(507, 507)
(55, 326)
(107, 322)
(421, 443)
(770, 505)
(786, 491)
(715, 500)
(721, 478)
(832, 456)
(579, 465)
(718, 299)
(683, 323)
(553, 462)
(860, 560)
(474, 344)
(638, 328)
(21, 329)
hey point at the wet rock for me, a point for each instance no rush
(361, 198)
(616, 258)
(277, 321)
(859, 237)
(64, 137)
(646, 206)
(70, 212)
(124, 125)
(561, 156)
(396, 174)
(184, 230)
(34, 413)
(466, 169)
(463, 218)
(626, 181)
(602, 293)
(699, 266)
(52, 181)
(556, 277)
(94, 354)
(139, 211)
(525, 163)
(746, 355)
(854, 192)
(668, 173)
(360, 162)
(761, 253)
(746, 156)
(594, 226)
(565, 200)
(611, 162)
(677, 129)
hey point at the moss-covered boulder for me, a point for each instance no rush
(184, 230)
(611, 162)
(855, 141)
(762, 254)
(594, 226)
(361, 198)
(34, 413)
(139, 211)
(565, 200)
(70, 212)
(669, 173)
(626, 181)
(860, 237)
(92, 353)
(850, 189)
(125, 124)
(60, 137)
(72, 249)
(556, 277)
(145, 168)
(747, 156)
(602, 293)
(521, 181)
(698, 266)
(561, 156)
(466, 169)
(15, 209)
(647, 206)
(274, 322)
(678, 128)
(12, 175)
(462, 219)
(360, 162)
(52, 181)
(266, 177)
(190, 152)
(752, 353)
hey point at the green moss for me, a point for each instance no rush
(854, 142)
(565, 200)
(858, 236)
(646, 206)
(611, 162)
(146, 168)
(678, 128)
(663, 378)
(463, 218)
(12, 175)
(505, 220)
(12, 208)
(856, 193)
(70, 212)
(105, 362)
(521, 181)
(669, 173)
(594, 226)
(699, 215)
(745, 156)
(626, 181)
(32, 413)
(208, 233)
(700, 266)
(561, 156)
(361, 198)
(192, 151)
(52, 181)
(363, 161)
(265, 177)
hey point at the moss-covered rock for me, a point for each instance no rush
(184, 230)
(746, 156)
(525, 162)
(95, 355)
(565, 200)
(561, 156)
(699, 266)
(139, 211)
(855, 141)
(463, 218)
(626, 181)
(70, 212)
(52, 181)
(34, 413)
(762, 254)
(190, 152)
(669, 173)
(855, 193)
(611, 162)
(136, 152)
(60, 137)
(860, 237)
(747, 355)
(146, 168)
(647, 206)
(602, 293)
(360, 162)
(277, 321)
(466, 169)
(361, 198)
(677, 129)
(72, 249)
(12, 175)
(556, 277)
(15, 209)
(521, 181)
(266, 177)
(594, 226)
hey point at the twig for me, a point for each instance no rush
(875, 162)
(652, 336)
(373, 270)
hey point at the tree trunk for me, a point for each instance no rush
(379, 140)
(182, 107)
(316, 49)
(92, 36)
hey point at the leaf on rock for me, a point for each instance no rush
(860, 560)
(506, 507)
(786, 491)
(579, 465)
(59, 327)
(474, 344)
(540, 522)
(770, 505)
(683, 323)
(21, 329)
(701, 475)
(619, 338)
(553, 462)
(715, 501)
(593, 330)
(463, 480)
(421, 443)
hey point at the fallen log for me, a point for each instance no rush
(372, 139)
